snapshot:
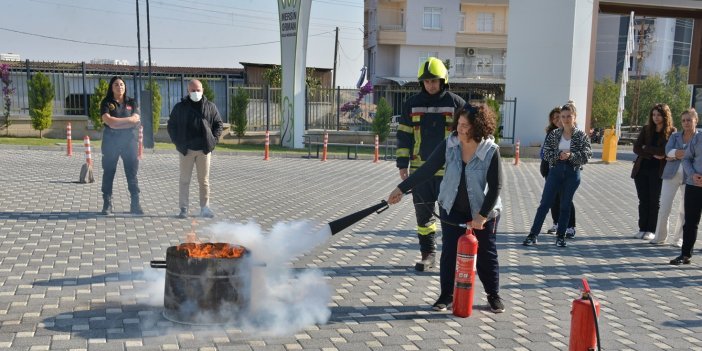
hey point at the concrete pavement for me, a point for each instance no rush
(71, 279)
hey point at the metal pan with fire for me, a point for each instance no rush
(212, 281)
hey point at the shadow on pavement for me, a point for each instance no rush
(103, 278)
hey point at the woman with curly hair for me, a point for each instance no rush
(648, 167)
(566, 149)
(469, 193)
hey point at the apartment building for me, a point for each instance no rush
(661, 42)
(470, 34)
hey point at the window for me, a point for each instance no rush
(485, 22)
(432, 18)
(424, 55)
(462, 22)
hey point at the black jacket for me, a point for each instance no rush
(211, 124)
(425, 122)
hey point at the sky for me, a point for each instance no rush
(198, 33)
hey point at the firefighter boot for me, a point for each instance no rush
(427, 245)
(106, 205)
(134, 206)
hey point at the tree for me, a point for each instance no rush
(7, 93)
(605, 102)
(678, 93)
(495, 106)
(207, 91)
(381, 121)
(41, 102)
(653, 91)
(94, 111)
(274, 76)
(237, 114)
(155, 90)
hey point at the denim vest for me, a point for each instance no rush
(671, 167)
(475, 173)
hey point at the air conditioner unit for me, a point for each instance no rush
(470, 52)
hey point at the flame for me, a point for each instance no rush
(191, 237)
(212, 250)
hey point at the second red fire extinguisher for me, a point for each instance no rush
(466, 261)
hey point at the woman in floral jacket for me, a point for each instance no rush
(566, 149)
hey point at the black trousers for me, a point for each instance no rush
(116, 144)
(424, 197)
(648, 188)
(693, 211)
(488, 266)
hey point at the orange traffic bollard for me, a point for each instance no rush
(324, 149)
(69, 144)
(140, 153)
(516, 154)
(376, 158)
(268, 143)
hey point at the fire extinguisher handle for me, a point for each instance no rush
(586, 286)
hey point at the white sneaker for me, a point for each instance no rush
(678, 243)
(206, 212)
(639, 235)
(648, 236)
(553, 229)
(570, 233)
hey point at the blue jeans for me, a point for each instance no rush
(563, 179)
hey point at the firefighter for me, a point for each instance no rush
(425, 122)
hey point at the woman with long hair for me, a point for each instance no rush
(566, 149)
(648, 167)
(674, 179)
(120, 117)
(554, 122)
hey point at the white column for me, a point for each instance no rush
(294, 27)
(548, 61)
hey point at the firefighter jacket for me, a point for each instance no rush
(425, 122)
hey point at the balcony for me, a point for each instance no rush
(481, 40)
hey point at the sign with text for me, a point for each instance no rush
(294, 26)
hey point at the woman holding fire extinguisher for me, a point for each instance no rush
(469, 193)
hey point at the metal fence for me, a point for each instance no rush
(73, 87)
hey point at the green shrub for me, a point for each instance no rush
(155, 90)
(98, 95)
(237, 114)
(41, 102)
(381, 121)
(207, 91)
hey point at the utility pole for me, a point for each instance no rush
(149, 128)
(138, 77)
(336, 48)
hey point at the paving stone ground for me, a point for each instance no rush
(69, 277)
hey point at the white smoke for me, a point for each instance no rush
(281, 300)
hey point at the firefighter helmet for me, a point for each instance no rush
(433, 68)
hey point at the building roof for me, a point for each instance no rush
(269, 65)
(92, 67)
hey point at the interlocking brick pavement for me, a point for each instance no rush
(71, 279)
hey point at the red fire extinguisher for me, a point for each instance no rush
(584, 328)
(466, 260)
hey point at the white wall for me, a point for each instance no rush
(548, 48)
(416, 35)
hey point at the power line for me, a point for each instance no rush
(154, 48)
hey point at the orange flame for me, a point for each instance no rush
(212, 250)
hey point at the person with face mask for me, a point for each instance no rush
(425, 122)
(120, 118)
(195, 126)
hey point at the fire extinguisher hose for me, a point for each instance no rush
(597, 324)
(426, 204)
